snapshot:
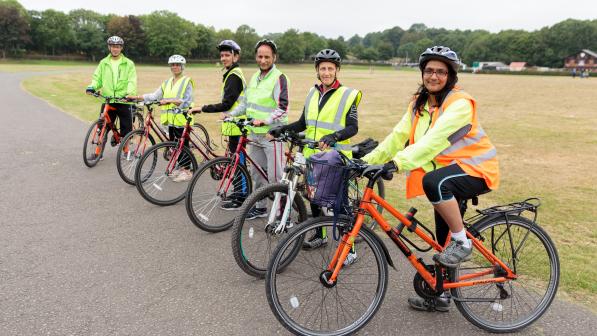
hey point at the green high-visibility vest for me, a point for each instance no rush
(331, 118)
(260, 99)
(176, 91)
(229, 129)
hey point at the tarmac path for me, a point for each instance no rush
(81, 253)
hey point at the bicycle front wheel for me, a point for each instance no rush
(93, 148)
(129, 153)
(163, 173)
(305, 304)
(216, 186)
(515, 304)
(253, 240)
(201, 136)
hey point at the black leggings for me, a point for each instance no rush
(447, 183)
(175, 134)
(125, 115)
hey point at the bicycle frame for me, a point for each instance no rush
(105, 117)
(150, 125)
(437, 282)
(231, 169)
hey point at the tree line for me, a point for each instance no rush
(163, 33)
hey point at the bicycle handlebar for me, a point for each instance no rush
(107, 98)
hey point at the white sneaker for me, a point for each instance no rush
(174, 174)
(350, 258)
(183, 176)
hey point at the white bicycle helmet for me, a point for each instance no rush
(115, 40)
(177, 59)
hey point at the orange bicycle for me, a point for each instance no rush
(509, 282)
(97, 135)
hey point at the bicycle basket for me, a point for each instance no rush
(326, 179)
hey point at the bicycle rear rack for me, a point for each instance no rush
(516, 208)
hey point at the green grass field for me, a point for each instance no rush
(545, 130)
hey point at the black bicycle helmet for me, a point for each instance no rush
(328, 55)
(268, 42)
(229, 45)
(440, 53)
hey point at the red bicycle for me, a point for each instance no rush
(165, 170)
(134, 144)
(97, 135)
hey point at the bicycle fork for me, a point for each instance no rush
(287, 207)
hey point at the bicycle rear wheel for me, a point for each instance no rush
(200, 132)
(214, 185)
(129, 152)
(93, 147)
(159, 171)
(515, 304)
(304, 305)
(253, 240)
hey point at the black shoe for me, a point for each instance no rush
(231, 205)
(113, 141)
(316, 241)
(256, 213)
(441, 304)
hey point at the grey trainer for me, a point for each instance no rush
(441, 304)
(454, 254)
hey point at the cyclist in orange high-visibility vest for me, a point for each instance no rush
(445, 153)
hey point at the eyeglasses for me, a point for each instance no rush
(441, 73)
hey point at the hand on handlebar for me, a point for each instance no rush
(195, 110)
(89, 90)
(386, 171)
(258, 122)
(327, 141)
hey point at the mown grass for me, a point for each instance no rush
(545, 130)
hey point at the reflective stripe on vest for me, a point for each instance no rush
(470, 148)
(230, 129)
(260, 98)
(318, 121)
(176, 91)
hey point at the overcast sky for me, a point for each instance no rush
(346, 17)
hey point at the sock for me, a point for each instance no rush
(462, 237)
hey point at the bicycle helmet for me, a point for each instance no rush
(440, 53)
(115, 40)
(177, 59)
(268, 42)
(328, 55)
(229, 45)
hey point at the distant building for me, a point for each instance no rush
(585, 59)
(477, 66)
(518, 66)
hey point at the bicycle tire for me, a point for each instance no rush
(126, 164)
(138, 121)
(201, 132)
(253, 258)
(307, 292)
(536, 241)
(153, 174)
(91, 159)
(203, 195)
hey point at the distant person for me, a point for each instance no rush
(266, 102)
(232, 92)
(176, 91)
(586, 73)
(330, 117)
(446, 154)
(573, 72)
(116, 76)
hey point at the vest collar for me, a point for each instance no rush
(235, 65)
(269, 72)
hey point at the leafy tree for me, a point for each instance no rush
(167, 34)
(52, 32)
(89, 28)
(246, 37)
(313, 44)
(206, 42)
(131, 30)
(339, 45)
(14, 27)
(291, 46)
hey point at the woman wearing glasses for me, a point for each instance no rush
(445, 153)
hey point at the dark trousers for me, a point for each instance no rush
(175, 134)
(446, 183)
(124, 114)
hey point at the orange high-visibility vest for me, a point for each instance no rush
(473, 152)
